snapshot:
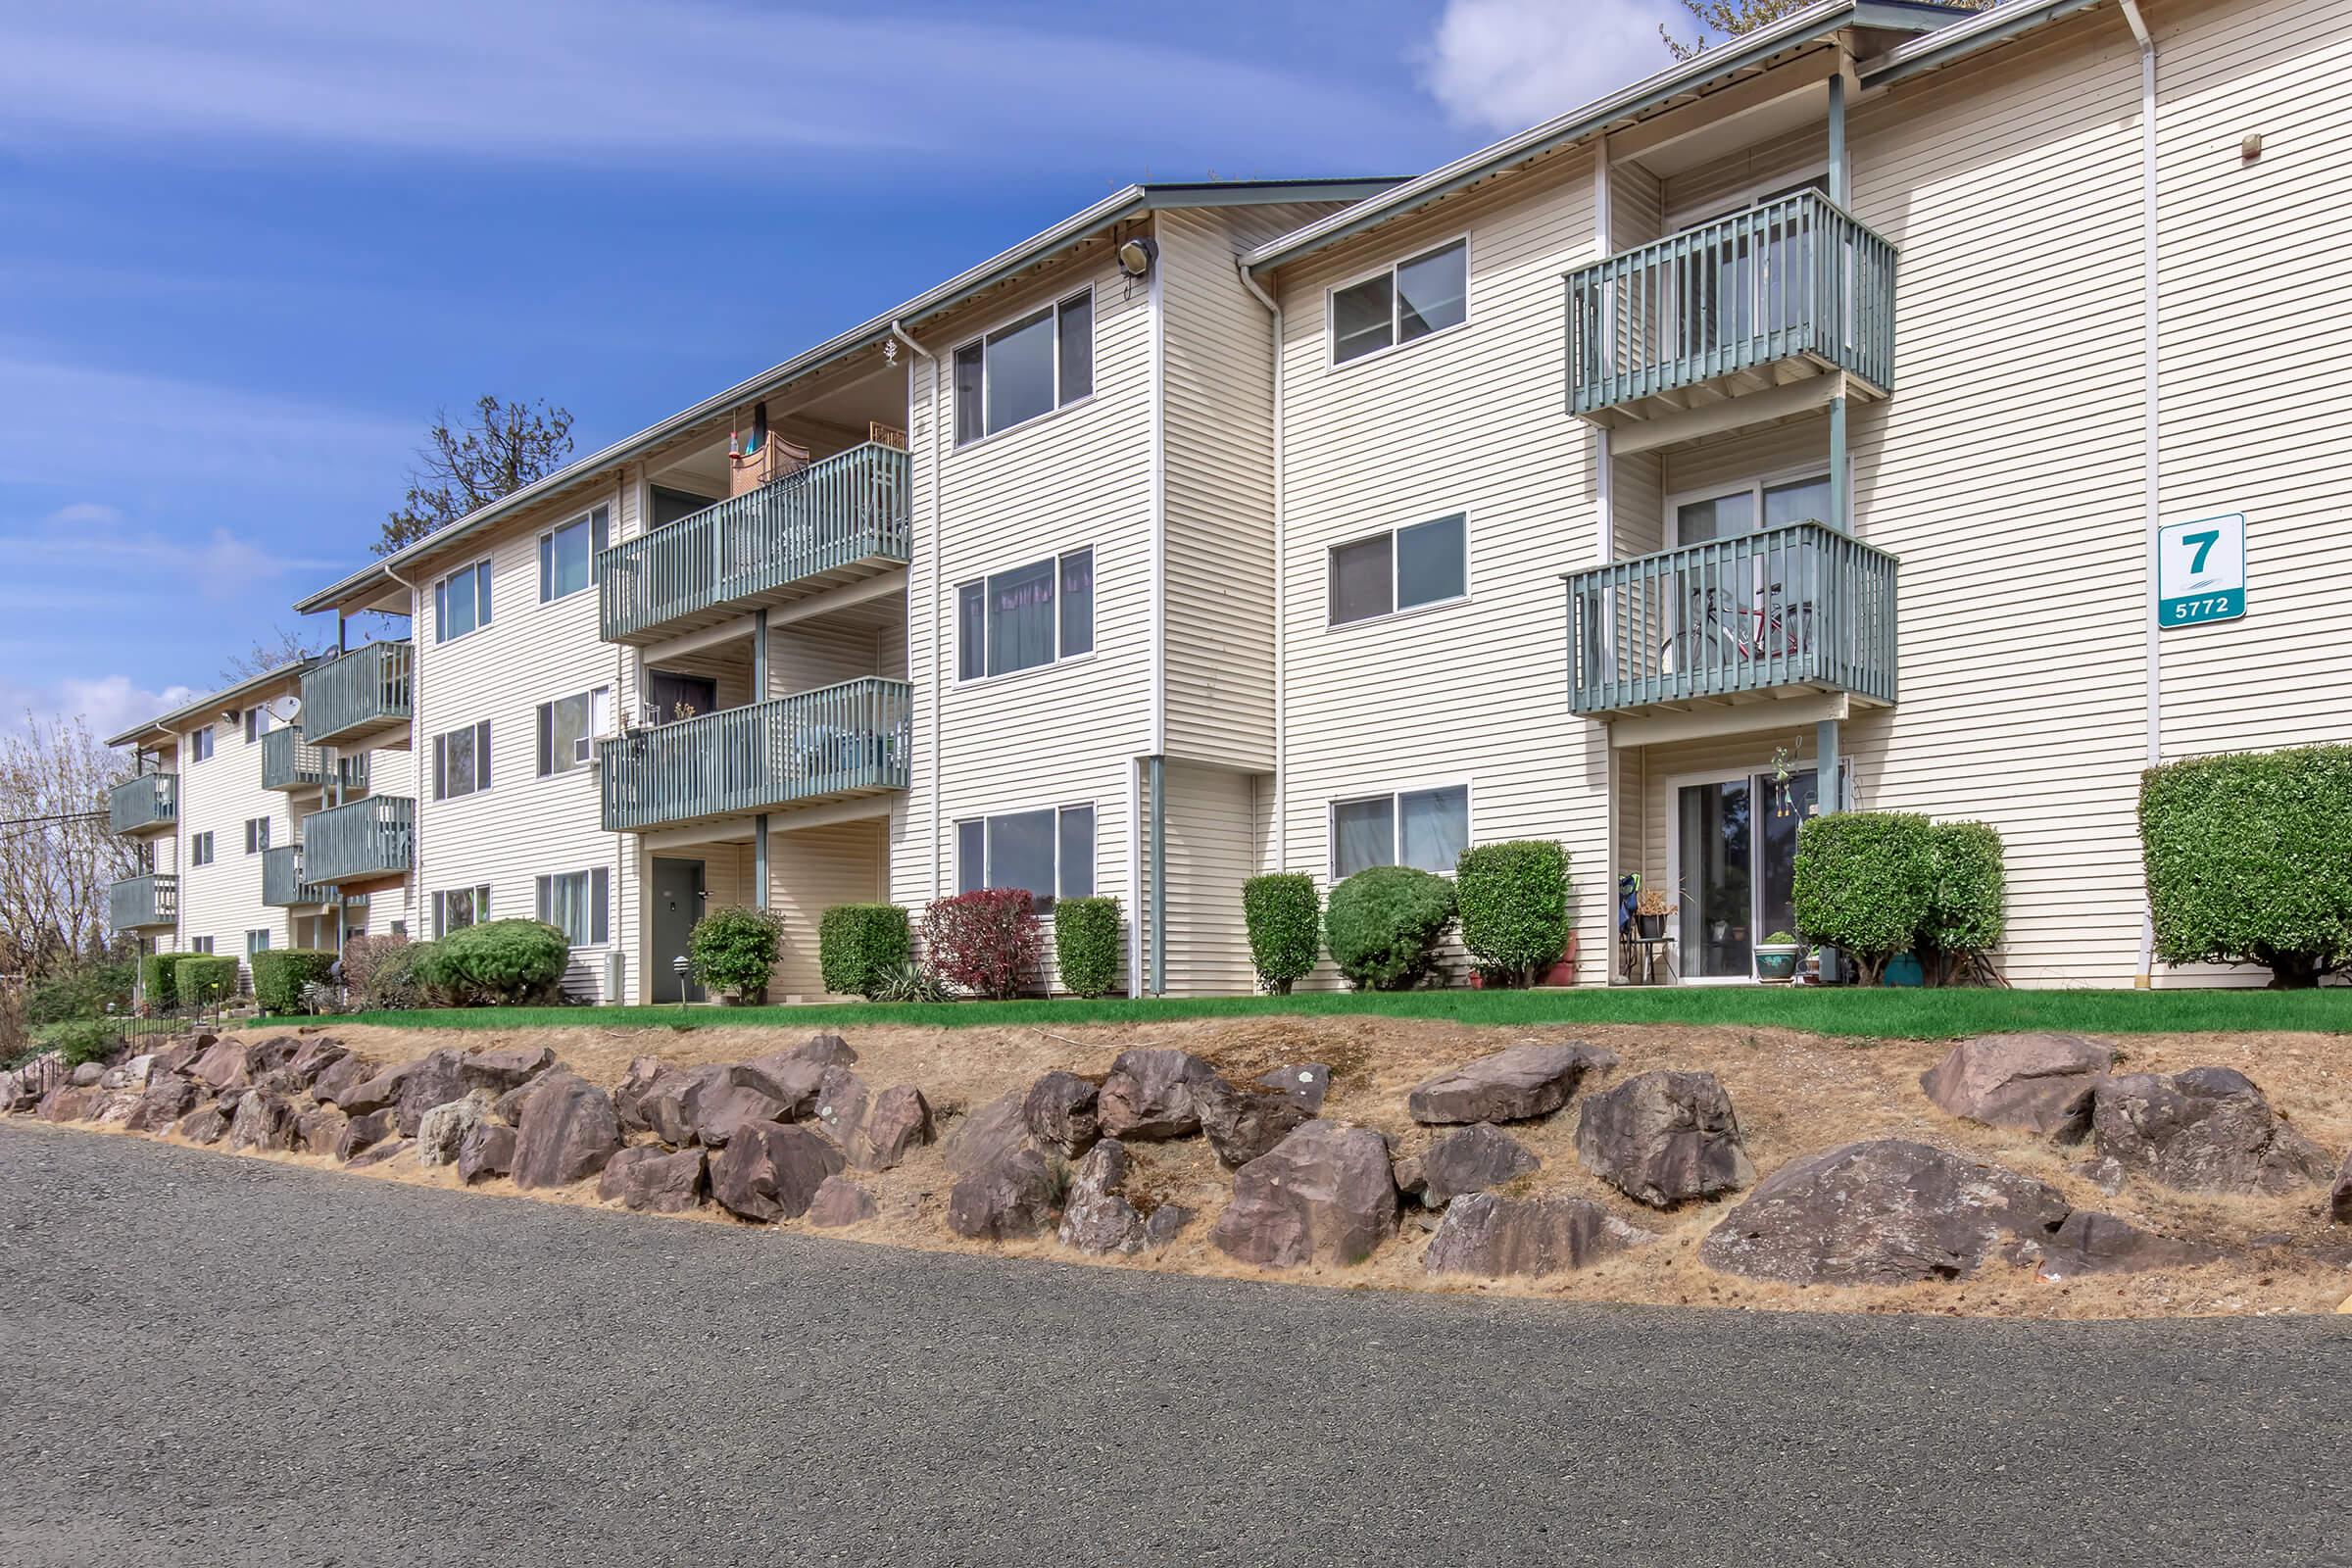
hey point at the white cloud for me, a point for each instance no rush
(108, 705)
(91, 541)
(1505, 65)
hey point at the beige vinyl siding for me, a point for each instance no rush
(1793, 450)
(810, 870)
(1209, 855)
(1695, 195)
(222, 900)
(1636, 210)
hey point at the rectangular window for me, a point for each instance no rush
(577, 903)
(568, 555)
(1427, 564)
(257, 834)
(200, 848)
(1011, 620)
(569, 727)
(1426, 294)
(456, 909)
(256, 720)
(199, 744)
(1426, 829)
(1048, 853)
(203, 945)
(1075, 871)
(256, 942)
(461, 762)
(1039, 363)
(462, 602)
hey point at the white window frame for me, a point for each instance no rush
(1753, 487)
(600, 911)
(257, 940)
(257, 835)
(1095, 880)
(199, 744)
(441, 635)
(587, 520)
(201, 946)
(200, 848)
(1394, 611)
(1331, 818)
(1060, 659)
(1331, 318)
(1673, 784)
(600, 722)
(480, 892)
(1053, 307)
(437, 763)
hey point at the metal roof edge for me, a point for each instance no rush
(224, 697)
(1943, 48)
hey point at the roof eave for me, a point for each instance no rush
(162, 725)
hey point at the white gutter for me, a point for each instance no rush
(2151, 427)
(1282, 575)
(938, 575)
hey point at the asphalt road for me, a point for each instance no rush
(207, 1359)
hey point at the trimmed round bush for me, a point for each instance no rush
(1285, 917)
(863, 948)
(2249, 860)
(983, 942)
(1864, 881)
(157, 973)
(499, 964)
(1086, 945)
(1382, 926)
(1513, 900)
(204, 980)
(279, 975)
(1968, 910)
(734, 950)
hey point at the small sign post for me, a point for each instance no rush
(2201, 570)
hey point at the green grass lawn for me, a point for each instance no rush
(1894, 1014)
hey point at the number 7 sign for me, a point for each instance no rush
(2201, 570)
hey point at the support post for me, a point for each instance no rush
(761, 894)
(1829, 785)
(1840, 475)
(1838, 164)
(1159, 876)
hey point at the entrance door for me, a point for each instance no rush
(675, 697)
(1734, 869)
(678, 905)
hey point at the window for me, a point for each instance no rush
(199, 744)
(256, 942)
(1045, 852)
(200, 848)
(1037, 364)
(569, 727)
(201, 945)
(1426, 829)
(1011, 620)
(257, 834)
(257, 719)
(568, 556)
(462, 602)
(456, 909)
(1411, 300)
(461, 762)
(1427, 564)
(1730, 514)
(577, 903)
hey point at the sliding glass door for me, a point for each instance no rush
(1733, 860)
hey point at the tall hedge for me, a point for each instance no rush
(2249, 860)
(279, 975)
(1086, 945)
(499, 964)
(1382, 926)
(157, 973)
(1968, 911)
(1865, 881)
(863, 948)
(1515, 907)
(204, 980)
(1283, 914)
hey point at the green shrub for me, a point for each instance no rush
(1515, 907)
(735, 951)
(983, 943)
(203, 980)
(861, 947)
(2249, 860)
(1864, 881)
(86, 991)
(909, 982)
(80, 1040)
(157, 973)
(387, 975)
(1086, 945)
(1968, 910)
(499, 964)
(1283, 914)
(1384, 923)
(281, 974)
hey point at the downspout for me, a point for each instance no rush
(2151, 432)
(1282, 718)
(1160, 627)
(415, 904)
(762, 896)
(938, 567)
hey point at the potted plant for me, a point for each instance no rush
(1650, 913)
(1777, 958)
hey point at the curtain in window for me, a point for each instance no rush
(1077, 603)
(1362, 579)
(1435, 828)
(971, 631)
(1363, 835)
(1020, 619)
(1020, 853)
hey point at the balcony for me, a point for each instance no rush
(291, 762)
(282, 886)
(144, 804)
(824, 745)
(141, 901)
(365, 841)
(358, 696)
(1746, 306)
(839, 520)
(1789, 611)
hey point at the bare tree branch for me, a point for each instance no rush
(504, 447)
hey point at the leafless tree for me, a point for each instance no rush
(465, 467)
(57, 856)
(1728, 19)
(283, 647)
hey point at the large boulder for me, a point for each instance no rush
(1468, 1159)
(670, 1106)
(2206, 1130)
(383, 1153)
(316, 1131)
(13, 1097)
(826, 1051)
(338, 1078)
(486, 1150)
(2086, 1241)
(1663, 1139)
(568, 1131)
(206, 1126)
(1009, 1196)
(275, 1052)
(719, 1111)
(1323, 1195)
(1243, 1124)
(264, 1120)
(1149, 1094)
(841, 1201)
(178, 1054)
(771, 1171)
(165, 1100)
(225, 1064)
(1526, 1081)
(87, 1074)
(1095, 1216)
(1060, 1109)
(379, 1093)
(71, 1103)
(442, 1130)
(629, 1094)
(131, 1074)
(433, 1080)
(2039, 1084)
(1493, 1237)
(362, 1133)
(1306, 1082)
(503, 1068)
(797, 1076)
(315, 1056)
(116, 1107)
(984, 1136)
(654, 1178)
(841, 1104)
(1887, 1211)
(899, 1120)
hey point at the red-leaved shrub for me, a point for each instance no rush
(984, 942)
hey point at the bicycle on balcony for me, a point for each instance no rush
(1723, 631)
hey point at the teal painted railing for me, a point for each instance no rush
(290, 763)
(835, 514)
(849, 739)
(1793, 277)
(374, 837)
(282, 886)
(359, 692)
(143, 803)
(1799, 605)
(143, 901)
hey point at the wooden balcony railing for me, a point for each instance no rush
(842, 517)
(372, 838)
(291, 762)
(827, 744)
(282, 886)
(148, 803)
(359, 694)
(1798, 278)
(143, 901)
(1800, 606)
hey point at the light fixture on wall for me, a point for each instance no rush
(1136, 254)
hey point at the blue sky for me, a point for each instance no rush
(247, 248)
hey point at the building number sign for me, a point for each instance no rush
(2201, 570)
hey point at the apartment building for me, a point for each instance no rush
(1802, 427)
